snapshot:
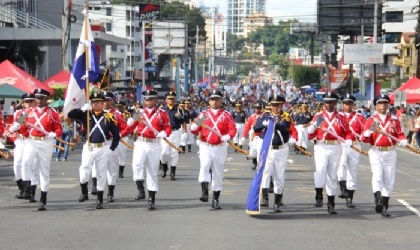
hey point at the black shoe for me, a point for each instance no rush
(151, 201)
(121, 172)
(254, 163)
(183, 150)
(21, 188)
(385, 207)
(271, 187)
(319, 197)
(84, 196)
(141, 195)
(189, 147)
(215, 200)
(264, 199)
(94, 190)
(331, 205)
(343, 189)
(164, 170)
(378, 202)
(173, 169)
(349, 199)
(100, 200)
(277, 199)
(110, 196)
(31, 196)
(43, 202)
(204, 192)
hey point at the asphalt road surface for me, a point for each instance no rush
(181, 221)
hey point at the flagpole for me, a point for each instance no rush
(86, 38)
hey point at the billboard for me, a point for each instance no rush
(363, 54)
(169, 38)
(344, 17)
(149, 12)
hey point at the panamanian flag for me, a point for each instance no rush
(75, 96)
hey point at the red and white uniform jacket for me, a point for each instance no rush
(391, 125)
(47, 119)
(119, 118)
(356, 123)
(336, 123)
(250, 123)
(222, 122)
(23, 130)
(159, 120)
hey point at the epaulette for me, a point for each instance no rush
(286, 116)
(110, 117)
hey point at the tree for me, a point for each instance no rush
(304, 75)
(24, 54)
(234, 43)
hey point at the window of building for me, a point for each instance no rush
(128, 15)
(393, 16)
(108, 11)
(109, 27)
(97, 8)
(127, 31)
(392, 37)
(113, 47)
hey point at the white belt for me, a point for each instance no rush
(145, 139)
(38, 138)
(383, 149)
(327, 142)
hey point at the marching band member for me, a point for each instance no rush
(327, 151)
(18, 132)
(193, 114)
(284, 134)
(186, 115)
(147, 147)
(213, 148)
(239, 116)
(179, 132)
(96, 150)
(347, 169)
(382, 153)
(44, 125)
(123, 116)
(253, 136)
(303, 117)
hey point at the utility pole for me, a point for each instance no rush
(375, 39)
(417, 39)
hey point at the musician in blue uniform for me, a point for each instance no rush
(170, 155)
(239, 116)
(102, 125)
(304, 117)
(192, 115)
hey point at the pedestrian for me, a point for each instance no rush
(123, 116)
(382, 153)
(152, 126)
(96, 149)
(66, 136)
(327, 151)
(417, 127)
(275, 165)
(213, 147)
(44, 125)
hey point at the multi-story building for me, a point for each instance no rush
(238, 9)
(255, 21)
(407, 59)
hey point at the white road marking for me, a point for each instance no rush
(409, 207)
(291, 161)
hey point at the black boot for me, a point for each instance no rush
(378, 202)
(385, 201)
(43, 201)
(204, 192)
(111, 193)
(84, 196)
(331, 205)
(240, 146)
(21, 191)
(183, 150)
(254, 162)
(32, 190)
(319, 197)
(343, 189)
(100, 200)
(215, 200)
(264, 200)
(141, 195)
(151, 201)
(281, 199)
(27, 189)
(271, 187)
(121, 171)
(173, 168)
(164, 170)
(94, 182)
(277, 200)
(189, 147)
(349, 199)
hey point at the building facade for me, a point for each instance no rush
(238, 10)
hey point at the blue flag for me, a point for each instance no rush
(253, 202)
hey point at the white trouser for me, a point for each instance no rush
(257, 143)
(302, 136)
(382, 164)
(347, 169)
(17, 158)
(146, 154)
(99, 158)
(42, 150)
(112, 168)
(239, 131)
(275, 166)
(122, 151)
(212, 157)
(327, 158)
(190, 136)
(169, 154)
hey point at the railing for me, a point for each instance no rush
(21, 19)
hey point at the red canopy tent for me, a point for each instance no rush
(412, 88)
(62, 78)
(18, 78)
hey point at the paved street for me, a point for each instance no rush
(181, 221)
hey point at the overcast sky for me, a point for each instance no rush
(304, 10)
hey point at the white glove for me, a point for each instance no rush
(403, 143)
(291, 141)
(197, 142)
(184, 137)
(347, 143)
(193, 127)
(241, 142)
(161, 134)
(52, 135)
(86, 107)
(130, 121)
(367, 133)
(225, 138)
(15, 126)
(265, 123)
(311, 129)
